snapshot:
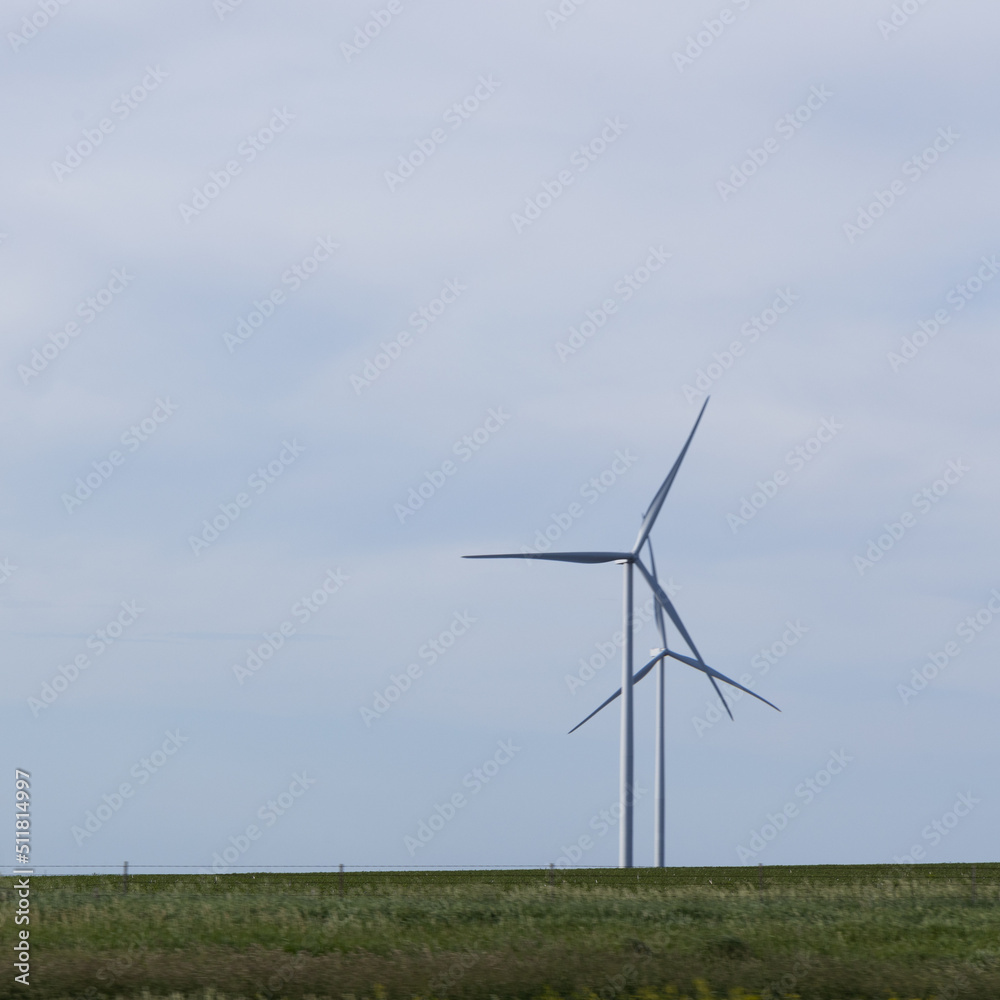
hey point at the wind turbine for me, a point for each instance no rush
(627, 560)
(659, 660)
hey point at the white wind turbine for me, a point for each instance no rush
(662, 603)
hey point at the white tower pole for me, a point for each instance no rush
(660, 836)
(626, 783)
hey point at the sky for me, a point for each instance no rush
(303, 302)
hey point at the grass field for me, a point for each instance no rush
(829, 933)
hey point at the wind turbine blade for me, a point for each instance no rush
(661, 596)
(635, 680)
(699, 663)
(657, 609)
(573, 557)
(722, 698)
(712, 673)
(603, 704)
(661, 494)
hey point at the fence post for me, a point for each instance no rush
(340, 880)
(973, 883)
(125, 878)
(760, 875)
(552, 873)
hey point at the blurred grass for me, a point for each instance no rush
(824, 932)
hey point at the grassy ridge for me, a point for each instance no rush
(829, 933)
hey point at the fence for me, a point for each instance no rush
(978, 881)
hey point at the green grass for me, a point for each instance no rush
(829, 933)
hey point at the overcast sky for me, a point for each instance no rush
(302, 302)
